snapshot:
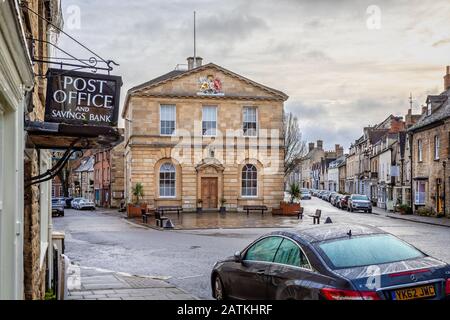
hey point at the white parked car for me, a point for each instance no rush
(85, 204)
(74, 203)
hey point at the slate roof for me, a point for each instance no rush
(375, 135)
(175, 74)
(338, 162)
(86, 165)
(440, 113)
(164, 77)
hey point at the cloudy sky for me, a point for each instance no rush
(344, 64)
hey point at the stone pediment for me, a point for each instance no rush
(208, 81)
(210, 165)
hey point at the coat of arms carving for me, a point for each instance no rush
(210, 86)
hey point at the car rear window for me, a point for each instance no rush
(360, 198)
(367, 250)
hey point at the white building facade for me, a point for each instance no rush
(16, 81)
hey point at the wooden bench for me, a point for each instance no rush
(163, 209)
(300, 213)
(316, 216)
(255, 208)
(160, 219)
(146, 213)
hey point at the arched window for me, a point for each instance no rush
(249, 181)
(167, 180)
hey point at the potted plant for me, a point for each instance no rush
(294, 192)
(134, 209)
(404, 209)
(291, 207)
(199, 205)
(222, 205)
(138, 191)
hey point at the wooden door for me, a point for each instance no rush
(439, 202)
(209, 193)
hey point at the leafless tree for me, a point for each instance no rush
(294, 146)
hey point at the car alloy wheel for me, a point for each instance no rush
(218, 289)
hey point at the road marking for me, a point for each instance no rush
(189, 277)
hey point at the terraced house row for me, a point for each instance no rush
(402, 160)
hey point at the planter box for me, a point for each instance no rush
(134, 211)
(287, 209)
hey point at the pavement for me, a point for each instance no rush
(228, 220)
(86, 283)
(444, 222)
(184, 258)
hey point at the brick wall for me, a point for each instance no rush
(117, 175)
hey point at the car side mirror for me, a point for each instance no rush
(237, 256)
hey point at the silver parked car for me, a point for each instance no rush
(85, 204)
(359, 202)
(74, 203)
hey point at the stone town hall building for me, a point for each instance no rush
(204, 133)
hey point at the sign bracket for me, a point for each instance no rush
(55, 170)
(90, 63)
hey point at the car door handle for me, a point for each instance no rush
(261, 272)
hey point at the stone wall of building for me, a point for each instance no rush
(431, 170)
(34, 272)
(146, 161)
(194, 155)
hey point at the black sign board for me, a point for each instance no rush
(82, 98)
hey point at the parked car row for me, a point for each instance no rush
(354, 202)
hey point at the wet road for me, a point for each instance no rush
(96, 239)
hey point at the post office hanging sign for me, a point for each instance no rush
(82, 98)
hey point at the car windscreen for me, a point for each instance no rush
(366, 250)
(360, 198)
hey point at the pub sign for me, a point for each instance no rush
(75, 97)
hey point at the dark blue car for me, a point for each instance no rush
(333, 262)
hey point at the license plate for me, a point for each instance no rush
(414, 293)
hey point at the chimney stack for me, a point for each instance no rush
(320, 144)
(339, 150)
(447, 79)
(424, 109)
(310, 146)
(192, 65)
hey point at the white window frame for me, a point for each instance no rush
(161, 106)
(257, 121)
(215, 119)
(436, 147)
(419, 150)
(242, 180)
(175, 181)
(417, 198)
